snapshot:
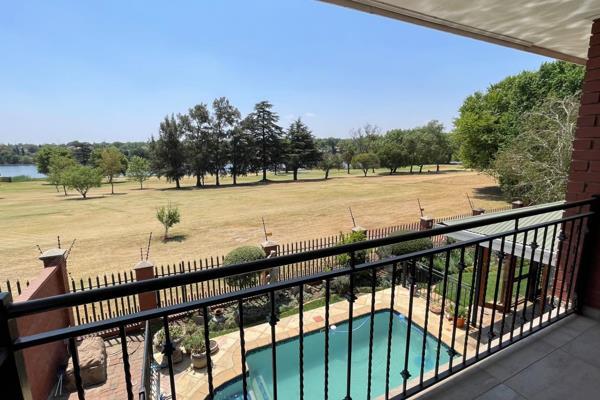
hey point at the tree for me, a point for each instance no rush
(45, 153)
(348, 151)
(301, 150)
(196, 125)
(59, 165)
(169, 151)
(330, 161)
(82, 179)
(225, 119)
(139, 170)
(535, 165)
(365, 162)
(489, 121)
(392, 152)
(111, 163)
(168, 216)
(263, 125)
(242, 149)
(82, 151)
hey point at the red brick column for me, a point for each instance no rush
(477, 211)
(425, 223)
(147, 300)
(584, 176)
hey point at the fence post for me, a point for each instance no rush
(517, 204)
(477, 211)
(147, 300)
(271, 249)
(425, 223)
(13, 377)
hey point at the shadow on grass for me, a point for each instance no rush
(175, 238)
(488, 193)
(80, 198)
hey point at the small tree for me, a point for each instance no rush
(168, 216)
(112, 163)
(330, 161)
(139, 170)
(365, 162)
(82, 179)
(59, 165)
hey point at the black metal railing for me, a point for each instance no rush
(526, 276)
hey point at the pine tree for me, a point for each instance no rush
(301, 150)
(225, 119)
(267, 135)
(169, 151)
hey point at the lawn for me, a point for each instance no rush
(110, 229)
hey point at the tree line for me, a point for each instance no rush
(217, 141)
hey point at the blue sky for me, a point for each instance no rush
(111, 70)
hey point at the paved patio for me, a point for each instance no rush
(559, 362)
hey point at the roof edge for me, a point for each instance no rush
(385, 10)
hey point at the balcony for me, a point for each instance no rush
(480, 306)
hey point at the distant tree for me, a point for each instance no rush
(82, 151)
(168, 151)
(196, 125)
(330, 161)
(535, 165)
(328, 145)
(45, 153)
(267, 134)
(365, 138)
(301, 150)
(168, 216)
(59, 165)
(225, 119)
(347, 150)
(365, 162)
(242, 150)
(82, 178)
(391, 152)
(111, 162)
(139, 170)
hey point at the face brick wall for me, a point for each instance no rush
(584, 176)
(42, 362)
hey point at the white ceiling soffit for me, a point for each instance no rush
(554, 28)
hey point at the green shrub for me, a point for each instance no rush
(195, 343)
(341, 285)
(410, 246)
(359, 256)
(20, 178)
(176, 332)
(241, 255)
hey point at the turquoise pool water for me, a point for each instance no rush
(260, 376)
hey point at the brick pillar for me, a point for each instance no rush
(56, 258)
(271, 249)
(584, 175)
(147, 300)
(477, 211)
(517, 204)
(425, 223)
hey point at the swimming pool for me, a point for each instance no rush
(260, 376)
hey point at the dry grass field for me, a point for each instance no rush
(110, 229)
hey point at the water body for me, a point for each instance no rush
(29, 170)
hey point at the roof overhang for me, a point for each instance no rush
(553, 28)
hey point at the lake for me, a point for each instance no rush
(17, 170)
